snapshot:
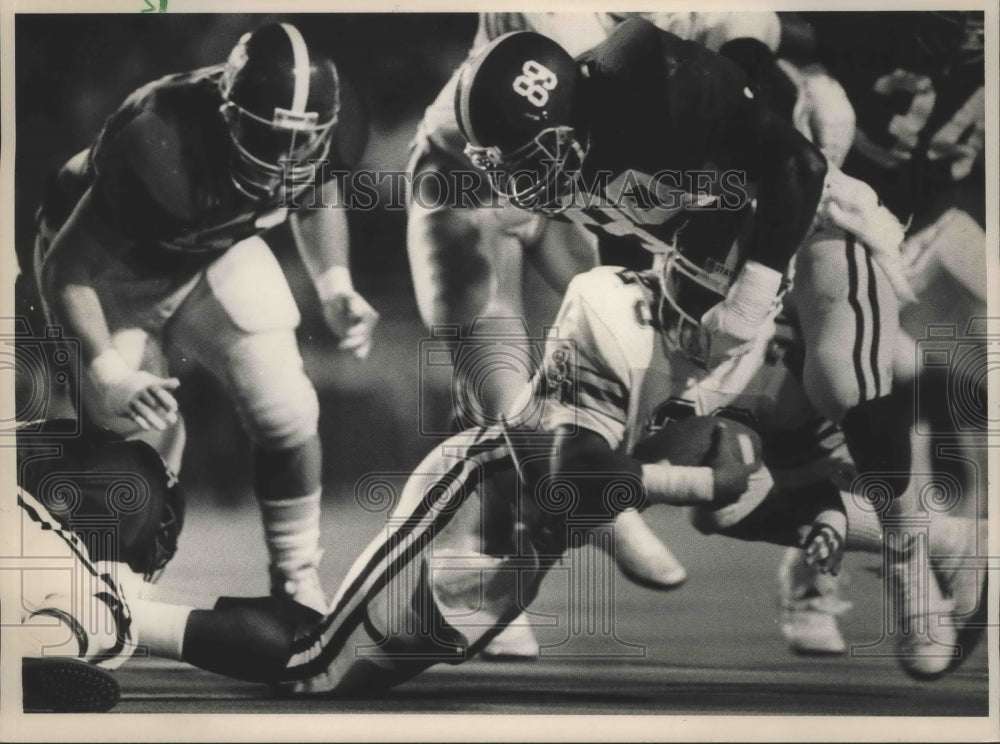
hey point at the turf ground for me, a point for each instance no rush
(710, 647)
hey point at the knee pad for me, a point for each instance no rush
(284, 415)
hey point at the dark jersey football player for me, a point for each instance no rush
(665, 141)
(653, 137)
(151, 240)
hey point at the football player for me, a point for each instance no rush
(151, 240)
(623, 424)
(93, 512)
(468, 262)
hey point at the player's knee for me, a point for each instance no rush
(285, 415)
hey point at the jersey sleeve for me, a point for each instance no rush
(585, 373)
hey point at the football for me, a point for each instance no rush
(687, 441)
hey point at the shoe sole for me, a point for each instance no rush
(817, 651)
(647, 583)
(67, 686)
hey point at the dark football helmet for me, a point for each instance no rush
(280, 104)
(514, 104)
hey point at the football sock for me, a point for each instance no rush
(878, 437)
(291, 529)
(864, 528)
(160, 626)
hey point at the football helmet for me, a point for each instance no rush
(688, 289)
(514, 105)
(280, 103)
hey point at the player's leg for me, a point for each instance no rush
(849, 318)
(239, 323)
(467, 267)
(426, 590)
(75, 623)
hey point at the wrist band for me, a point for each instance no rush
(678, 484)
(752, 296)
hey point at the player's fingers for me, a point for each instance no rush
(169, 383)
(147, 413)
(140, 420)
(146, 396)
(164, 399)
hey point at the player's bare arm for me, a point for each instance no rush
(322, 239)
(80, 249)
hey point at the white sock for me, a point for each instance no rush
(291, 529)
(864, 528)
(160, 626)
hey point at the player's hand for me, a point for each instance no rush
(146, 399)
(730, 477)
(852, 205)
(135, 394)
(824, 548)
(353, 321)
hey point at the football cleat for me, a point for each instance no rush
(642, 557)
(954, 539)
(809, 603)
(301, 584)
(926, 647)
(516, 642)
(64, 685)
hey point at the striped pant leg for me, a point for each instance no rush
(386, 623)
(849, 316)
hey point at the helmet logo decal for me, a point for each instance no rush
(535, 83)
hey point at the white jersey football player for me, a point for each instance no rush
(621, 405)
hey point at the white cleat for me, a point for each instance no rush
(925, 646)
(954, 541)
(516, 642)
(809, 603)
(643, 557)
(301, 584)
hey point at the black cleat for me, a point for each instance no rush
(64, 685)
